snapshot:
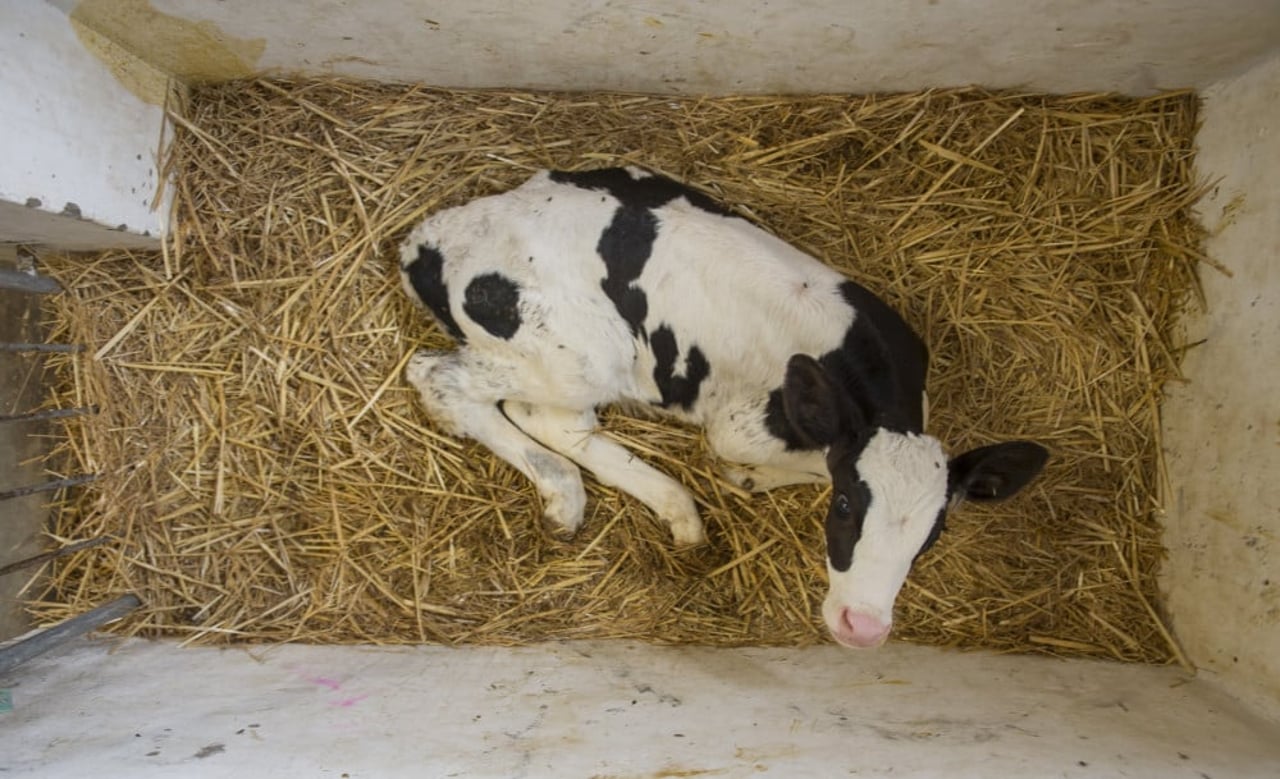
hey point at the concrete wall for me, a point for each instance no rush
(1222, 429)
(79, 167)
(702, 46)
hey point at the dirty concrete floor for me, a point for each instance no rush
(21, 444)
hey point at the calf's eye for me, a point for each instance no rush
(842, 505)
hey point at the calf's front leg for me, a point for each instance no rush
(573, 434)
(457, 393)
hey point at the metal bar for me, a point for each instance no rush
(71, 348)
(52, 413)
(55, 554)
(18, 492)
(27, 282)
(13, 656)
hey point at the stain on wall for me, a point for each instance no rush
(191, 51)
(794, 46)
(147, 82)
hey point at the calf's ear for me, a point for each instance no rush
(995, 472)
(814, 405)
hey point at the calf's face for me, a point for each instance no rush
(890, 491)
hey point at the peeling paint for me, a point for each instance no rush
(189, 50)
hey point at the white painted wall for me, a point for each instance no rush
(617, 710)
(719, 46)
(1222, 429)
(79, 148)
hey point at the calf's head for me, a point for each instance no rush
(890, 493)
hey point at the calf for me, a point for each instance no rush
(605, 286)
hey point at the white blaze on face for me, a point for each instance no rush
(907, 478)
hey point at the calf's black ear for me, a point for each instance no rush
(815, 407)
(995, 472)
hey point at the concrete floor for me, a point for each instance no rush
(21, 519)
(617, 710)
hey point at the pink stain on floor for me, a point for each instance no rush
(334, 685)
(324, 681)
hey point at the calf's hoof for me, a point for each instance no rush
(686, 525)
(562, 512)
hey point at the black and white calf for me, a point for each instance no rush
(581, 289)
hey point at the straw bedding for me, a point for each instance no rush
(268, 476)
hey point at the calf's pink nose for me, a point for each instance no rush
(862, 629)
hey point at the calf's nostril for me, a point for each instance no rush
(863, 629)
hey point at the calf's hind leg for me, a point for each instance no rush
(573, 434)
(463, 396)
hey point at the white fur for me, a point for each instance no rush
(907, 475)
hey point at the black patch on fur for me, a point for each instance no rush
(882, 363)
(677, 390)
(625, 246)
(776, 422)
(646, 192)
(844, 530)
(493, 302)
(426, 276)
